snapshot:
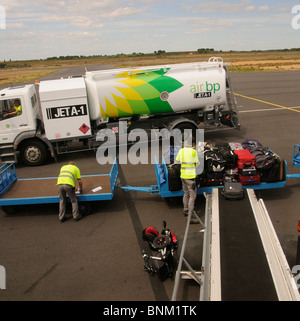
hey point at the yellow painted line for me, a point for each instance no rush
(268, 103)
(85, 68)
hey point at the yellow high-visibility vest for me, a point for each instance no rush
(19, 109)
(188, 158)
(68, 174)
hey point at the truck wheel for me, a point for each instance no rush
(34, 153)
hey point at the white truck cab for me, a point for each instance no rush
(16, 127)
(12, 126)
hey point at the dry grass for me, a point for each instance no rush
(26, 71)
(22, 76)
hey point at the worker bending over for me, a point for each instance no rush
(66, 181)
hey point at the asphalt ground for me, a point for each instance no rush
(99, 258)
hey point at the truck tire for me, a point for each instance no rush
(33, 153)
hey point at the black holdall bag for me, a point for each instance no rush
(233, 191)
(229, 156)
(213, 160)
(250, 143)
(263, 158)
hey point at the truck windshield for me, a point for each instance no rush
(10, 108)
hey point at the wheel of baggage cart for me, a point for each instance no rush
(84, 208)
(9, 209)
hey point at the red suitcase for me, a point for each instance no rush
(245, 158)
(249, 180)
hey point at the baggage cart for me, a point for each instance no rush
(17, 192)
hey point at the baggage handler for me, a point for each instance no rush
(188, 158)
(67, 178)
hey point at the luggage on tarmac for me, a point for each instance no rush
(164, 244)
(149, 234)
(233, 191)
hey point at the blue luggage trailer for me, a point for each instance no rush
(162, 187)
(15, 192)
(296, 160)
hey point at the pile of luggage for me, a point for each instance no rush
(248, 163)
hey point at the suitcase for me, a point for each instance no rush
(231, 175)
(235, 146)
(213, 178)
(276, 173)
(249, 180)
(248, 171)
(282, 170)
(233, 191)
(245, 159)
(175, 183)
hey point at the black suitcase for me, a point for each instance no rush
(276, 173)
(233, 191)
(248, 171)
(175, 183)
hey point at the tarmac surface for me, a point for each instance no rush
(99, 258)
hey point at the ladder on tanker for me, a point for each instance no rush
(231, 100)
(242, 258)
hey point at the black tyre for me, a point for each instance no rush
(9, 209)
(34, 153)
(84, 208)
(190, 129)
(161, 241)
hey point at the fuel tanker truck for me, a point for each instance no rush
(66, 115)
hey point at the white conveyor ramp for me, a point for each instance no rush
(242, 259)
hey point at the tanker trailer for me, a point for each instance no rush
(181, 95)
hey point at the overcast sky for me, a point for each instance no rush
(47, 28)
